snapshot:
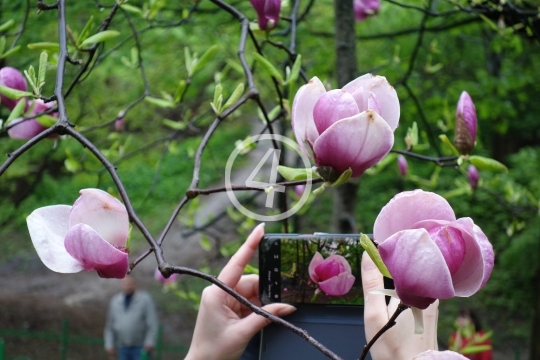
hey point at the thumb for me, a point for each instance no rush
(375, 310)
(254, 323)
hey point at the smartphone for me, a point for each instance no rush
(285, 276)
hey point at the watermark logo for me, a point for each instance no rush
(270, 187)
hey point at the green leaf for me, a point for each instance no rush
(17, 111)
(85, 31)
(189, 61)
(205, 242)
(162, 103)
(411, 139)
(491, 24)
(487, 164)
(10, 52)
(175, 125)
(13, 94)
(5, 26)
(292, 174)
(98, 38)
(295, 69)
(132, 9)
(42, 69)
(237, 93)
(218, 91)
(373, 253)
(248, 269)
(208, 54)
(47, 46)
(180, 90)
(343, 178)
(446, 141)
(269, 67)
(2, 45)
(46, 120)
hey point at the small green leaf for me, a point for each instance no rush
(491, 24)
(5, 26)
(235, 96)
(189, 61)
(446, 141)
(205, 243)
(85, 31)
(10, 52)
(42, 69)
(47, 46)
(269, 67)
(2, 45)
(248, 269)
(46, 120)
(373, 253)
(343, 178)
(295, 69)
(128, 241)
(132, 9)
(487, 164)
(292, 174)
(72, 165)
(208, 54)
(162, 103)
(411, 139)
(175, 125)
(13, 94)
(180, 91)
(98, 38)
(218, 91)
(17, 111)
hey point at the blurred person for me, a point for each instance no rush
(132, 323)
(469, 334)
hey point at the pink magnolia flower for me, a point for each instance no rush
(346, 128)
(473, 175)
(27, 129)
(429, 253)
(159, 277)
(267, 13)
(402, 165)
(90, 235)
(466, 123)
(12, 78)
(439, 355)
(365, 8)
(332, 275)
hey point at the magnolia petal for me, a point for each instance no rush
(14, 79)
(316, 261)
(338, 285)
(439, 355)
(333, 106)
(103, 213)
(487, 253)
(272, 9)
(95, 253)
(418, 316)
(48, 227)
(418, 268)
(407, 208)
(26, 129)
(332, 266)
(159, 277)
(358, 142)
(302, 121)
(465, 108)
(386, 96)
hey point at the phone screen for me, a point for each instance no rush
(310, 269)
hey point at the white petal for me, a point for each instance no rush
(48, 227)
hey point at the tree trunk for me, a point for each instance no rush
(345, 196)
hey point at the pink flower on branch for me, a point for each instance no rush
(429, 253)
(171, 279)
(90, 235)
(267, 13)
(466, 124)
(365, 8)
(473, 176)
(332, 275)
(14, 79)
(346, 128)
(403, 166)
(27, 129)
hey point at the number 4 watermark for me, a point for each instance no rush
(271, 186)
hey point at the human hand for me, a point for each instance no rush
(224, 326)
(399, 342)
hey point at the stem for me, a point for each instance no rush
(391, 322)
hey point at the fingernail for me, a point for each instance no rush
(367, 263)
(286, 310)
(262, 224)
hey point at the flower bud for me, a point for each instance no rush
(473, 175)
(402, 165)
(466, 122)
(267, 12)
(119, 123)
(159, 277)
(299, 190)
(12, 78)
(365, 8)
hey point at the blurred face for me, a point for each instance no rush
(463, 321)
(128, 285)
